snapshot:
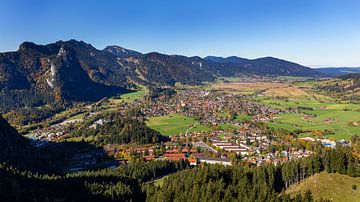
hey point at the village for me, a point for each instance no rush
(245, 142)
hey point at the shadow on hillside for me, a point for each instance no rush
(67, 157)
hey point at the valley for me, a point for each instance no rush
(180, 101)
(231, 121)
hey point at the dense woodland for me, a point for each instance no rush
(121, 130)
(25, 116)
(121, 184)
(14, 99)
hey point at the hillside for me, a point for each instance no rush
(346, 87)
(74, 71)
(331, 186)
(63, 71)
(14, 148)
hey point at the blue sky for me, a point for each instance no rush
(310, 32)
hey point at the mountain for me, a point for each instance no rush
(62, 71)
(168, 69)
(121, 52)
(231, 59)
(75, 71)
(267, 66)
(338, 71)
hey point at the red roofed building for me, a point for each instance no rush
(175, 157)
(193, 161)
(149, 157)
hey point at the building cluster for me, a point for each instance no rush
(209, 107)
(327, 142)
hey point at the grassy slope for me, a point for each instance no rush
(332, 186)
(174, 124)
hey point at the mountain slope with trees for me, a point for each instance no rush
(73, 71)
(345, 87)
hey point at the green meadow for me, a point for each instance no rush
(175, 124)
(331, 116)
(128, 97)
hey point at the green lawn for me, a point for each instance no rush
(331, 186)
(174, 124)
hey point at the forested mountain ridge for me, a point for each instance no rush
(68, 71)
(266, 66)
(338, 71)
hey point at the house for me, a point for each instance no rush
(193, 161)
(209, 160)
(175, 157)
(149, 157)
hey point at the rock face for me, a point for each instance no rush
(68, 71)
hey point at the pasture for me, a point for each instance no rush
(128, 97)
(175, 124)
(331, 116)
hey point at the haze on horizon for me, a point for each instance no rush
(312, 33)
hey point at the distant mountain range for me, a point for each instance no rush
(338, 71)
(68, 71)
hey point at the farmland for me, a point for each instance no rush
(316, 116)
(267, 88)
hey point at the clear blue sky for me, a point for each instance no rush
(310, 32)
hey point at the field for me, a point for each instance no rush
(267, 88)
(334, 117)
(175, 124)
(331, 186)
(128, 97)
